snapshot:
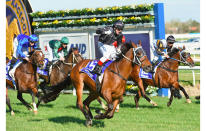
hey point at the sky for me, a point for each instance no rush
(182, 10)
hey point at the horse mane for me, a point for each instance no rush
(124, 48)
(70, 51)
(173, 51)
(31, 53)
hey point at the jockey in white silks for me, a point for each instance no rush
(110, 39)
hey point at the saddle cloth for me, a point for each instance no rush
(145, 75)
(43, 71)
(10, 74)
(91, 65)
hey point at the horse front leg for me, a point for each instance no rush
(172, 89)
(19, 96)
(111, 113)
(102, 103)
(108, 98)
(142, 91)
(185, 93)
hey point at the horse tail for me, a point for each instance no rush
(52, 92)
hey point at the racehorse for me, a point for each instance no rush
(26, 78)
(166, 75)
(113, 83)
(58, 79)
(59, 73)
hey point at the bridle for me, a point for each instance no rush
(136, 59)
(182, 59)
(74, 58)
(36, 62)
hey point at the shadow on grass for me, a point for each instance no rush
(91, 107)
(197, 102)
(66, 119)
(125, 105)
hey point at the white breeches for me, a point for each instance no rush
(109, 52)
(16, 54)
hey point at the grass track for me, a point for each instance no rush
(62, 115)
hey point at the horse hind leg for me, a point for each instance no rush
(172, 89)
(185, 93)
(8, 103)
(19, 96)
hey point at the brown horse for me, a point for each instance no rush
(26, 78)
(113, 83)
(59, 72)
(166, 76)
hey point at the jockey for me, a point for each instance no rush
(109, 40)
(57, 50)
(23, 44)
(161, 49)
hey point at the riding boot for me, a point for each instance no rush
(13, 61)
(97, 69)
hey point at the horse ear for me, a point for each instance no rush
(140, 42)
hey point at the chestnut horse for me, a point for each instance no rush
(59, 72)
(58, 79)
(26, 78)
(113, 83)
(166, 75)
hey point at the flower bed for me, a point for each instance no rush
(93, 17)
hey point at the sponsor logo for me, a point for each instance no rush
(16, 9)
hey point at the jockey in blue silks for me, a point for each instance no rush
(23, 44)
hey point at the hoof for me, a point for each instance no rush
(35, 112)
(153, 103)
(189, 101)
(30, 109)
(88, 123)
(168, 104)
(100, 116)
(12, 113)
(137, 108)
(117, 110)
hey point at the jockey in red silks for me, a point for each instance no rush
(110, 39)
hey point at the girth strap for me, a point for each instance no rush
(117, 74)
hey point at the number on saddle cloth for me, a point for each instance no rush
(145, 75)
(91, 65)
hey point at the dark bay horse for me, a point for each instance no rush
(59, 73)
(166, 76)
(113, 83)
(26, 78)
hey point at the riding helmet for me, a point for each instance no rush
(65, 40)
(33, 38)
(171, 39)
(118, 25)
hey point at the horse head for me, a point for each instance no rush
(37, 58)
(140, 57)
(73, 56)
(186, 57)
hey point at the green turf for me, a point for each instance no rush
(62, 115)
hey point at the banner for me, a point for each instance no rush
(80, 41)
